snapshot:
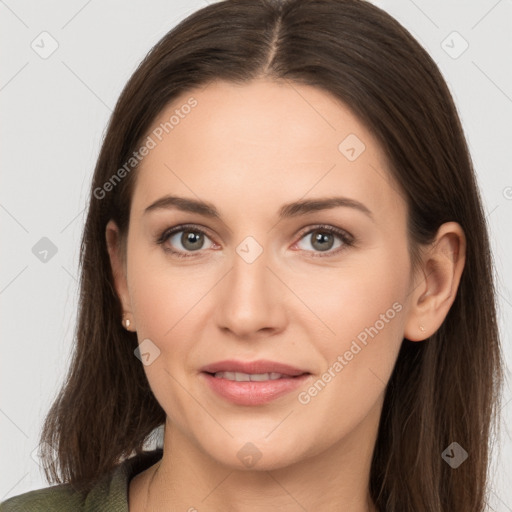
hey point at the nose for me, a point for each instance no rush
(250, 298)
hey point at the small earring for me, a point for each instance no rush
(422, 329)
(126, 323)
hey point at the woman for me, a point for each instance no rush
(285, 263)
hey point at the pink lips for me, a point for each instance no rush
(253, 392)
(260, 366)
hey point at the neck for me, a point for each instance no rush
(188, 479)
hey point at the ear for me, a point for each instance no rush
(436, 283)
(118, 265)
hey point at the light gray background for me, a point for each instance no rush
(54, 113)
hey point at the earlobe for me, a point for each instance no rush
(435, 290)
(117, 263)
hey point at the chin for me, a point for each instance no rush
(246, 455)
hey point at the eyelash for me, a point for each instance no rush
(346, 238)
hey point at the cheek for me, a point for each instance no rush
(348, 299)
(164, 299)
(361, 311)
(163, 295)
(359, 360)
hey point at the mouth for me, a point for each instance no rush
(251, 377)
(252, 383)
(259, 367)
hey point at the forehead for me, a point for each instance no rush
(265, 140)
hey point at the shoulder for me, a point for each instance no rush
(110, 493)
(59, 497)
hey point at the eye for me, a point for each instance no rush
(188, 239)
(192, 239)
(323, 239)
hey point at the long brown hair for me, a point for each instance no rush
(443, 390)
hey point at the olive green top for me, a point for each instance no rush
(109, 494)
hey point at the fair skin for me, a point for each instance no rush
(248, 150)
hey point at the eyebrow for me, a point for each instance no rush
(294, 209)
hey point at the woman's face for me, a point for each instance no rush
(264, 279)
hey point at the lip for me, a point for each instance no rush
(259, 366)
(253, 392)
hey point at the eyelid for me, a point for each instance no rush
(327, 227)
